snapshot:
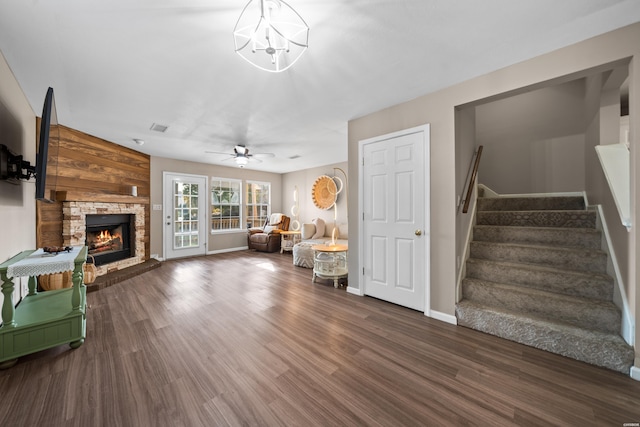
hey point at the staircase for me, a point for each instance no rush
(536, 275)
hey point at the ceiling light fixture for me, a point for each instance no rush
(242, 161)
(270, 35)
(138, 141)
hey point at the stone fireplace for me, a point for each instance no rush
(110, 218)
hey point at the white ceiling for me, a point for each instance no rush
(118, 66)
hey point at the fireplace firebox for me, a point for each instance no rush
(110, 238)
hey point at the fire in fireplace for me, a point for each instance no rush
(109, 238)
(103, 241)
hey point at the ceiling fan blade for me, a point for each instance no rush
(263, 155)
(218, 152)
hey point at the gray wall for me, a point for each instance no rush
(282, 186)
(18, 132)
(217, 241)
(534, 141)
(438, 109)
(304, 180)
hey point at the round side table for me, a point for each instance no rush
(289, 240)
(330, 262)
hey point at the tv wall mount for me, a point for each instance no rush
(13, 168)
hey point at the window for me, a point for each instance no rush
(258, 203)
(185, 215)
(226, 200)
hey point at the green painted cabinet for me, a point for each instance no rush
(42, 319)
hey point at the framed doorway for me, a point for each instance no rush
(394, 201)
(185, 216)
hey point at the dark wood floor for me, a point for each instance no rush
(246, 339)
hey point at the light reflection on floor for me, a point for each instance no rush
(267, 266)
(188, 278)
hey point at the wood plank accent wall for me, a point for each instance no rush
(95, 170)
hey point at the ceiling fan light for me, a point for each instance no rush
(241, 161)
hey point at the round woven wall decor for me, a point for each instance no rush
(324, 192)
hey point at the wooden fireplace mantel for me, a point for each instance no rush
(88, 196)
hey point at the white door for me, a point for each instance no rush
(395, 209)
(185, 215)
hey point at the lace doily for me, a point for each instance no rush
(40, 262)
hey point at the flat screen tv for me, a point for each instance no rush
(46, 158)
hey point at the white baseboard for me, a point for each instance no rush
(443, 317)
(433, 314)
(354, 291)
(635, 373)
(222, 251)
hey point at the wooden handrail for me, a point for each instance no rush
(474, 174)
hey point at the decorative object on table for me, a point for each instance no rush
(270, 35)
(54, 281)
(56, 249)
(90, 271)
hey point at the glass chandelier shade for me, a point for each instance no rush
(270, 35)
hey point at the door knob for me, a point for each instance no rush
(418, 232)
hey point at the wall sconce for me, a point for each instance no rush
(295, 210)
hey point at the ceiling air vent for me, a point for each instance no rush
(159, 128)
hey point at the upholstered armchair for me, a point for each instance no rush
(267, 238)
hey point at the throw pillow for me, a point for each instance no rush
(308, 230)
(319, 223)
(269, 228)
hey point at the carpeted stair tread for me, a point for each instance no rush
(552, 236)
(601, 349)
(558, 257)
(563, 281)
(538, 218)
(536, 275)
(531, 203)
(586, 313)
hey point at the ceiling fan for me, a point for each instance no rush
(242, 157)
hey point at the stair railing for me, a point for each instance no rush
(472, 181)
